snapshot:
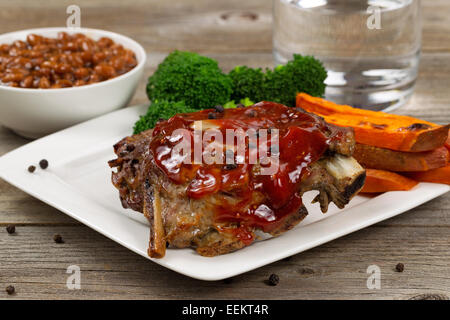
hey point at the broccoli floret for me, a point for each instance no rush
(192, 78)
(247, 82)
(302, 74)
(231, 104)
(160, 109)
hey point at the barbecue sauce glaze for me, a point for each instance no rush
(301, 142)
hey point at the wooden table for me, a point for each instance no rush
(234, 32)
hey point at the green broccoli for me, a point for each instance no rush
(160, 109)
(192, 78)
(303, 74)
(247, 82)
(231, 104)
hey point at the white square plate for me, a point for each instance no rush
(78, 182)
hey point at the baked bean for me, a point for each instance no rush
(75, 60)
(93, 78)
(86, 56)
(81, 73)
(36, 62)
(63, 68)
(65, 61)
(44, 83)
(98, 57)
(27, 82)
(43, 72)
(35, 54)
(117, 63)
(104, 42)
(34, 39)
(79, 83)
(64, 83)
(104, 71)
(70, 46)
(12, 77)
(20, 44)
(4, 48)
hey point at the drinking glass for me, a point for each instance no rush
(370, 48)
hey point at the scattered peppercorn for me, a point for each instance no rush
(130, 147)
(399, 267)
(211, 115)
(31, 169)
(58, 239)
(43, 164)
(219, 108)
(273, 280)
(11, 229)
(230, 166)
(10, 290)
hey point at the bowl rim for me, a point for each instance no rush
(101, 32)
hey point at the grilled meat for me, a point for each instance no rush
(216, 208)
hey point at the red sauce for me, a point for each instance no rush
(301, 142)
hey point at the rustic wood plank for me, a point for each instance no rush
(204, 26)
(36, 266)
(234, 32)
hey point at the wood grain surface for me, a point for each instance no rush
(234, 32)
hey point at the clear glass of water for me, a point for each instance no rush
(370, 48)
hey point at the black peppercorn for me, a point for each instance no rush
(43, 164)
(273, 279)
(10, 290)
(58, 239)
(399, 267)
(11, 229)
(31, 169)
(230, 166)
(219, 108)
(211, 115)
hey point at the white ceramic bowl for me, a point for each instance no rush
(34, 113)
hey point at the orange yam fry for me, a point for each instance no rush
(383, 181)
(379, 129)
(440, 175)
(386, 159)
(447, 143)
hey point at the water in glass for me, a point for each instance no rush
(370, 48)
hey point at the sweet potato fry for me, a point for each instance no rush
(382, 181)
(447, 143)
(385, 159)
(379, 129)
(440, 175)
